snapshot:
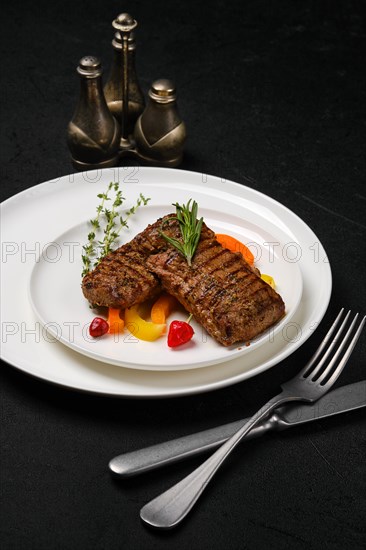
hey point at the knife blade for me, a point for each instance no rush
(340, 400)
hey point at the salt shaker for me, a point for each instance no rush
(93, 134)
(160, 133)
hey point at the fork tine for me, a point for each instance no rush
(338, 351)
(324, 343)
(346, 355)
(330, 349)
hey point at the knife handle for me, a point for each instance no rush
(143, 460)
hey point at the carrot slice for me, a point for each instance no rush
(234, 245)
(162, 308)
(116, 324)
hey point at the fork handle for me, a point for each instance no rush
(171, 507)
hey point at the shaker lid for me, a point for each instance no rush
(89, 66)
(163, 91)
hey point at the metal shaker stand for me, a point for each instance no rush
(158, 134)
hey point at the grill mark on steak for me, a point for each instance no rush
(230, 309)
(212, 252)
(230, 269)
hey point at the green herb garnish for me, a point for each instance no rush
(96, 248)
(190, 229)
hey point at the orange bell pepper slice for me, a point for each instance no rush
(116, 324)
(162, 308)
(234, 245)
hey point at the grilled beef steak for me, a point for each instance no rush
(225, 295)
(122, 279)
(223, 292)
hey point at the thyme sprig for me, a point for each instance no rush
(101, 240)
(190, 229)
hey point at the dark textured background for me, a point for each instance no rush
(273, 94)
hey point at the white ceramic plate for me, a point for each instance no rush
(31, 220)
(59, 304)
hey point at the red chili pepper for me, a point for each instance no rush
(180, 332)
(98, 327)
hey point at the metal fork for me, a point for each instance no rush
(314, 380)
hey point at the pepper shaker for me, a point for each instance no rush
(93, 134)
(160, 133)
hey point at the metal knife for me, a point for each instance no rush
(346, 398)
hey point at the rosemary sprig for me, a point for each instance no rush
(95, 250)
(190, 229)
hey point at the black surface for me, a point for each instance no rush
(273, 94)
